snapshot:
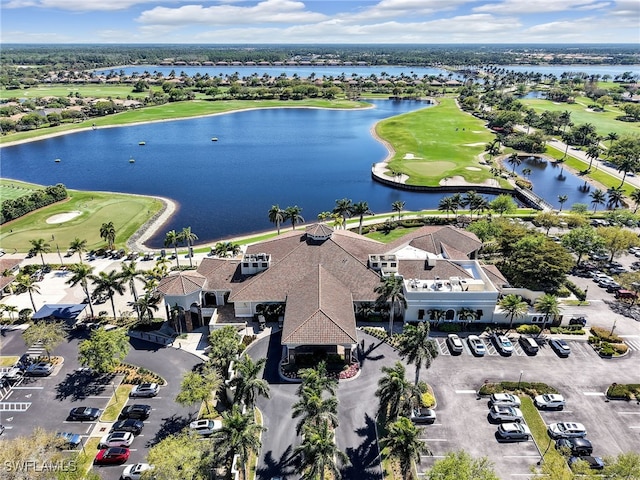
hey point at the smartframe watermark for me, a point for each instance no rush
(36, 466)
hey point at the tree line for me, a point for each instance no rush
(13, 208)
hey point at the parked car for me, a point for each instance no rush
(504, 413)
(551, 401)
(135, 471)
(505, 399)
(69, 440)
(137, 411)
(514, 431)
(13, 374)
(582, 321)
(84, 413)
(112, 456)
(595, 463)
(503, 344)
(454, 342)
(129, 425)
(476, 345)
(529, 345)
(145, 390)
(116, 439)
(205, 427)
(566, 430)
(576, 446)
(561, 347)
(423, 415)
(40, 369)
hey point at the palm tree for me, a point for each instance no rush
(81, 273)
(10, 309)
(562, 199)
(318, 453)
(635, 196)
(416, 346)
(598, 197)
(526, 172)
(403, 443)
(492, 148)
(108, 234)
(239, 435)
(447, 204)
(247, 383)
(398, 206)
(277, 216)
(318, 379)
(28, 284)
(109, 284)
(394, 392)
(547, 304)
(40, 246)
(593, 152)
(146, 305)
(565, 119)
(514, 306)
(615, 196)
(344, 208)
(293, 215)
(361, 209)
(314, 410)
(391, 291)
(627, 164)
(515, 161)
(172, 239)
(188, 236)
(78, 246)
(129, 274)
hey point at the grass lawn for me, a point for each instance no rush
(127, 212)
(84, 460)
(96, 91)
(116, 404)
(8, 361)
(177, 110)
(391, 236)
(443, 140)
(604, 122)
(12, 189)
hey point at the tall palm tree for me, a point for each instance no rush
(514, 307)
(344, 209)
(39, 246)
(394, 392)
(129, 274)
(146, 305)
(447, 204)
(611, 137)
(361, 209)
(314, 410)
(635, 196)
(403, 443)
(81, 273)
(108, 234)
(10, 309)
(548, 305)
(239, 435)
(598, 197)
(172, 239)
(627, 164)
(593, 152)
(318, 453)
(293, 215)
(492, 148)
(28, 284)
(109, 284)
(78, 246)
(615, 196)
(276, 216)
(562, 199)
(247, 383)
(391, 291)
(515, 161)
(397, 207)
(186, 235)
(416, 346)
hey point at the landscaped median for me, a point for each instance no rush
(117, 403)
(622, 391)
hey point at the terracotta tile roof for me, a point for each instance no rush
(182, 283)
(432, 238)
(419, 269)
(319, 312)
(6, 281)
(9, 264)
(220, 274)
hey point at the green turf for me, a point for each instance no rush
(96, 91)
(12, 189)
(127, 212)
(443, 140)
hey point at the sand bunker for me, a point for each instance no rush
(63, 217)
(479, 144)
(474, 169)
(410, 156)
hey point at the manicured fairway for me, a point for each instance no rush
(11, 189)
(127, 212)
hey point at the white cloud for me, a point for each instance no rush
(390, 9)
(538, 6)
(79, 5)
(626, 8)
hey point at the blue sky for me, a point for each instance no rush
(320, 21)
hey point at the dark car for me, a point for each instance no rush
(595, 463)
(84, 413)
(129, 425)
(112, 456)
(575, 446)
(138, 412)
(561, 347)
(40, 369)
(69, 440)
(582, 321)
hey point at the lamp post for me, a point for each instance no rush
(586, 290)
(520, 379)
(114, 392)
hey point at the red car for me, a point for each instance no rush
(112, 456)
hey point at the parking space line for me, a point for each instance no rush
(435, 439)
(466, 391)
(28, 388)
(628, 413)
(593, 394)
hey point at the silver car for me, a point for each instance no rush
(566, 430)
(476, 345)
(505, 399)
(514, 431)
(503, 413)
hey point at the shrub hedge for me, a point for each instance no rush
(605, 335)
(623, 391)
(530, 388)
(529, 329)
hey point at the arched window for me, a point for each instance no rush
(451, 313)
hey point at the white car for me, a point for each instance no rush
(455, 344)
(566, 430)
(503, 344)
(476, 345)
(507, 399)
(205, 427)
(135, 471)
(549, 401)
(145, 390)
(116, 439)
(504, 413)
